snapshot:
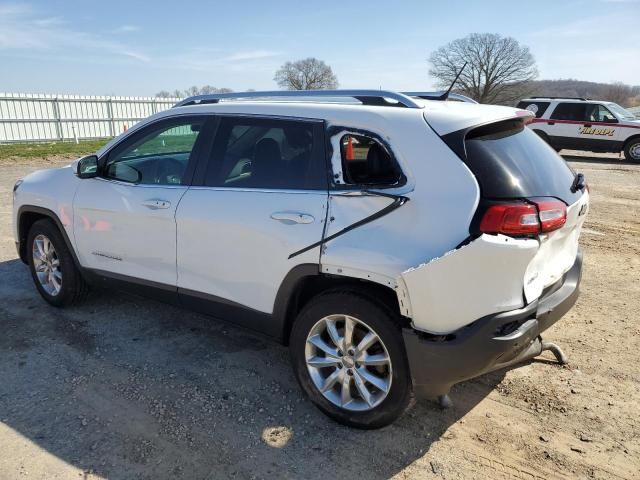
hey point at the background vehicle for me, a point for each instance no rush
(398, 245)
(582, 124)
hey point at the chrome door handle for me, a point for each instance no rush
(156, 204)
(290, 218)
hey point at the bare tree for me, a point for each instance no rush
(191, 91)
(307, 74)
(498, 68)
(619, 93)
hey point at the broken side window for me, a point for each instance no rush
(366, 162)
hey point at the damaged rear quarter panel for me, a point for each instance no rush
(481, 278)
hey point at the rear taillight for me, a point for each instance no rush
(541, 215)
(552, 212)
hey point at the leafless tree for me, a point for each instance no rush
(307, 74)
(191, 91)
(619, 93)
(498, 69)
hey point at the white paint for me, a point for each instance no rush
(466, 284)
(230, 247)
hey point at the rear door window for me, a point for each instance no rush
(511, 161)
(538, 108)
(571, 111)
(268, 154)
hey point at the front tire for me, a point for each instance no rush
(632, 150)
(53, 270)
(348, 356)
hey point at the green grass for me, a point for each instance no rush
(45, 150)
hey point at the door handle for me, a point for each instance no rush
(290, 218)
(156, 204)
(587, 125)
(551, 123)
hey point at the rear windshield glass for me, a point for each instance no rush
(511, 161)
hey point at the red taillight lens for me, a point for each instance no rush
(519, 218)
(553, 213)
(511, 219)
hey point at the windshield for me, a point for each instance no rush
(621, 112)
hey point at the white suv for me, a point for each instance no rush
(582, 124)
(397, 244)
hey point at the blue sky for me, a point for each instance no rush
(138, 48)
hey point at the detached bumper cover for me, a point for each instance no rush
(490, 343)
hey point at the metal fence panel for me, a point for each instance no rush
(47, 118)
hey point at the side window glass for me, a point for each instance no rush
(366, 162)
(538, 108)
(600, 113)
(570, 111)
(265, 153)
(157, 156)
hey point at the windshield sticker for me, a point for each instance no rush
(608, 132)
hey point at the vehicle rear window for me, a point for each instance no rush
(511, 161)
(538, 108)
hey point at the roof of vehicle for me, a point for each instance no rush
(562, 99)
(443, 116)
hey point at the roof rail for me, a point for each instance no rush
(366, 97)
(565, 98)
(438, 95)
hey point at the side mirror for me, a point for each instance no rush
(610, 120)
(87, 167)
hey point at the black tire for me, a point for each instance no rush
(632, 144)
(383, 321)
(73, 288)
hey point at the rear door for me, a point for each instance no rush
(260, 196)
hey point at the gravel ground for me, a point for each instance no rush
(123, 387)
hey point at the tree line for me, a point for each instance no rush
(498, 70)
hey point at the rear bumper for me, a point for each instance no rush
(490, 343)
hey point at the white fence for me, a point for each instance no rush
(46, 118)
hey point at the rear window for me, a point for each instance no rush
(511, 161)
(538, 108)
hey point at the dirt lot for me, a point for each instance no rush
(122, 387)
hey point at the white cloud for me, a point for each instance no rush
(24, 30)
(126, 29)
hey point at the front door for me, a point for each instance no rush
(125, 219)
(262, 199)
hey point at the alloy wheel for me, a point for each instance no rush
(348, 362)
(47, 265)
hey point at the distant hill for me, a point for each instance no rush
(625, 95)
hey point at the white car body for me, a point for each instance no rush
(235, 245)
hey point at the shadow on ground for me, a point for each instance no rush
(131, 388)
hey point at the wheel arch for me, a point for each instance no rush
(27, 216)
(305, 281)
(629, 140)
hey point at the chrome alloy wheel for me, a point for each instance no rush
(635, 152)
(348, 363)
(47, 265)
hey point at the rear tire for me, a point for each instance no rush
(367, 392)
(632, 150)
(52, 267)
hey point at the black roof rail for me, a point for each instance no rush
(565, 98)
(366, 97)
(438, 95)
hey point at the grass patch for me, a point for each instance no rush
(44, 150)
